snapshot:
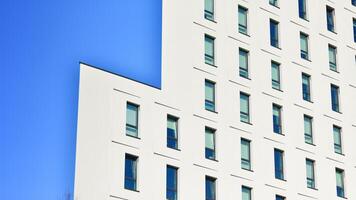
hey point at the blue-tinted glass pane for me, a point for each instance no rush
(302, 9)
(279, 197)
(354, 27)
(130, 173)
(340, 192)
(209, 189)
(171, 182)
(330, 18)
(209, 153)
(274, 33)
(353, 2)
(335, 98)
(278, 164)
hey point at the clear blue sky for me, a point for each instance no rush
(41, 44)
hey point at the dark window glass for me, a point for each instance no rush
(209, 95)
(306, 87)
(302, 5)
(210, 143)
(276, 75)
(209, 50)
(330, 19)
(130, 172)
(132, 119)
(310, 173)
(242, 19)
(304, 46)
(171, 183)
(172, 132)
(243, 63)
(277, 121)
(335, 103)
(340, 188)
(337, 139)
(278, 197)
(209, 9)
(244, 107)
(210, 188)
(354, 27)
(278, 164)
(274, 41)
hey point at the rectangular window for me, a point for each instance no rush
(245, 154)
(332, 58)
(337, 140)
(246, 193)
(330, 14)
(242, 18)
(353, 2)
(244, 107)
(306, 87)
(278, 164)
(171, 183)
(243, 62)
(277, 119)
(302, 5)
(210, 143)
(172, 132)
(210, 188)
(278, 197)
(209, 50)
(276, 75)
(209, 95)
(130, 172)
(310, 173)
(308, 129)
(304, 47)
(354, 27)
(340, 187)
(335, 101)
(273, 2)
(273, 25)
(132, 119)
(209, 10)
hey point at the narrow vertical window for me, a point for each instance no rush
(244, 107)
(335, 101)
(340, 187)
(132, 119)
(330, 15)
(310, 173)
(278, 164)
(172, 132)
(242, 18)
(246, 193)
(276, 75)
(209, 50)
(337, 139)
(278, 197)
(304, 47)
(274, 40)
(171, 183)
(209, 10)
(306, 87)
(332, 58)
(209, 95)
(302, 6)
(243, 63)
(273, 3)
(308, 129)
(353, 2)
(130, 172)
(210, 143)
(277, 121)
(210, 188)
(354, 27)
(245, 154)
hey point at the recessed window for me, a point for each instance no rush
(332, 58)
(171, 183)
(242, 18)
(209, 50)
(335, 100)
(354, 28)
(246, 193)
(340, 185)
(353, 2)
(277, 119)
(130, 172)
(337, 139)
(306, 87)
(274, 37)
(244, 107)
(210, 143)
(276, 75)
(302, 6)
(278, 164)
(132, 119)
(210, 188)
(172, 132)
(308, 129)
(304, 46)
(310, 173)
(209, 95)
(209, 10)
(243, 63)
(330, 15)
(245, 154)
(279, 197)
(273, 3)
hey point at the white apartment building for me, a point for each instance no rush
(258, 101)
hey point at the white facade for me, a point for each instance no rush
(102, 142)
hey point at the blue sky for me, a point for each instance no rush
(41, 45)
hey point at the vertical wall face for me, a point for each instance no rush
(102, 143)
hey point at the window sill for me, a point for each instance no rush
(211, 20)
(337, 111)
(280, 90)
(212, 159)
(306, 59)
(332, 31)
(249, 123)
(175, 149)
(312, 144)
(245, 34)
(211, 65)
(274, 6)
(249, 170)
(304, 19)
(336, 71)
(247, 78)
(131, 136)
(284, 180)
(281, 134)
(316, 189)
(341, 154)
(132, 190)
(309, 101)
(277, 47)
(342, 197)
(213, 111)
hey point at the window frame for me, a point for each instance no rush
(304, 54)
(212, 39)
(243, 94)
(306, 135)
(274, 41)
(335, 99)
(311, 183)
(176, 139)
(244, 72)
(337, 147)
(209, 151)
(333, 65)
(210, 179)
(209, 103)
(303, 9)
(279, 125)
(249, 189)
(133, 159)
(330, 24)
(279, 171)
(130, 126)
(306, 88)
(243, 29)
(209, 15)
(340, 190)
(175, 190)
(276, 84)
(243, 160)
